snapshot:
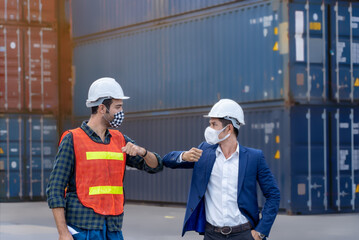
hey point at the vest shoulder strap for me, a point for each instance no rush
(65, 133)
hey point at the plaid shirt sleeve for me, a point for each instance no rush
(139, 163)
(60, 175)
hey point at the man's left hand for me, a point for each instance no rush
(133, 150)
(255, 235)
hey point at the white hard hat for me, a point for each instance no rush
(104, 88)
(228, 109)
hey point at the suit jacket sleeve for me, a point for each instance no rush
(171, 160)
(271, 192)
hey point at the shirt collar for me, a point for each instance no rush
(92, 133)
(219, 150)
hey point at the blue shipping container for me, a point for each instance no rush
(249, 51)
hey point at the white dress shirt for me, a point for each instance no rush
(221, 194)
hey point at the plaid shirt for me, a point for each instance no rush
(63, 175)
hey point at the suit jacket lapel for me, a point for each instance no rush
(243, 159)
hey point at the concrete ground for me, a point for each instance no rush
(33, 220)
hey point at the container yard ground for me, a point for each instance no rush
(33, 220)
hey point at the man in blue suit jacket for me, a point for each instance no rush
(222, 202)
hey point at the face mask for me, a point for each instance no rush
(117, 120)
(211, 135)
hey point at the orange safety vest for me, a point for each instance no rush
(99, 172)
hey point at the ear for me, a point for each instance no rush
(102, 109)
(231, 127)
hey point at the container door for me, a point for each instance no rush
(308, 57)
(344, 158)
(309, 160)
(41, 70)
(325, 159)
(11, 156)
(344, 51)
(10, 10)
(40, 10)
(10, 68)
(42, 147)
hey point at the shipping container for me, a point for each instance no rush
(28, 145)
(106, 15)
(250, 51)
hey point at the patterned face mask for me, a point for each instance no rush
(118, 118)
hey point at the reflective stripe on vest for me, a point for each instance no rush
(105, 190)
(104, 155)
(99, 172)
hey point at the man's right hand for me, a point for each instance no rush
(192, 155)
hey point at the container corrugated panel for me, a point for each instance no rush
(28, 145)
(11, 71)
(10, 10)
(266, 129)
(159, 134)
(202, 58)
(41, 70)
(105, 15)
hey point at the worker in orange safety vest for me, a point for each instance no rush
(90, 165)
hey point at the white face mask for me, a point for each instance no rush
(211, 135)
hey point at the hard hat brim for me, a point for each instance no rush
(209, 116)
(90, 103)
(224, 117)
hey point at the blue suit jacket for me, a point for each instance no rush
(252, 169)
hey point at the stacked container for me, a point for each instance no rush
(292, 65)
(28, 97)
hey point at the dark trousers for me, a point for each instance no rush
(212, 235)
